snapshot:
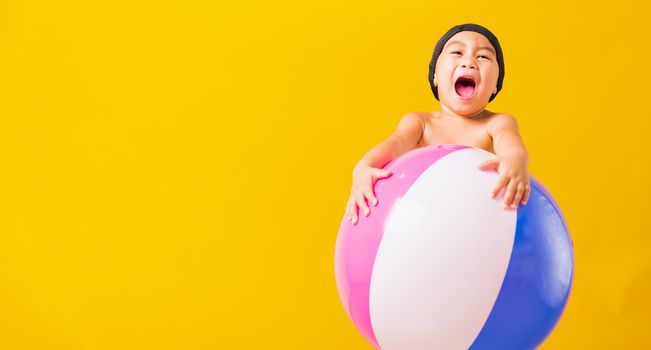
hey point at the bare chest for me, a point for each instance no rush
(473, 134)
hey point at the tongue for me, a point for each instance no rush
(464, 90)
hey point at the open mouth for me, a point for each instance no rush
(465, 87)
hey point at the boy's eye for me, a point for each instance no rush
(459, 52)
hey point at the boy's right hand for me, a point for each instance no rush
(364, 177)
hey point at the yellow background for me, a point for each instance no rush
(173, 174)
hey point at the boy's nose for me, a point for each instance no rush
(469, 65)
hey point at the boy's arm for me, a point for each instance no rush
(506, 137)
(511, 161)
(404, 138)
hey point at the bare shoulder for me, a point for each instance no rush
(412, 120)
(416, 115)
(409, 131)
(499, 122)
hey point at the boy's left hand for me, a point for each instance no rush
(514, 175)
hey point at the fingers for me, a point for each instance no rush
(527, 191)
(362, 192)
(381, 173)
(517, 192)
(518, 195)
(510, 192)
(490, 164)
(500, 182)
(371, 197)
(361, 202)
(351, 209)
(351, 212)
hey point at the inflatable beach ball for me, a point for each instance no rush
(438, 264)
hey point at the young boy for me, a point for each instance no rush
(466, 73)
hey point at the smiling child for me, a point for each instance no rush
(466, 73)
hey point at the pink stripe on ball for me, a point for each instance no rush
(357, 244)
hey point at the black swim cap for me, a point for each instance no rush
(460, 28)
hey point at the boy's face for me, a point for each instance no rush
(467, 54)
